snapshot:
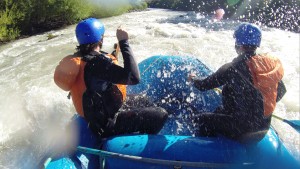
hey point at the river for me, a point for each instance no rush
(34, 111)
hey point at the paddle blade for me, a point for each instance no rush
(294, 123)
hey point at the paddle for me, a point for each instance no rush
(293, 123)
(47, 162)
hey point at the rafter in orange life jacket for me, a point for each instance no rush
(69, 76)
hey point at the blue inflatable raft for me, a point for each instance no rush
(164, 81)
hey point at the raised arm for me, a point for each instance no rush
(129, 74)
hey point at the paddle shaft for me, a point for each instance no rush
(291, 123)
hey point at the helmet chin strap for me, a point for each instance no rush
(239, 49)
(98, 47)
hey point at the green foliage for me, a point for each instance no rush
(27, 17)
(169, 4)
(232, 2)
(43, 15)
(113, 8)
(141, 6)
(102, 11)
(10, 13)
(51, 36)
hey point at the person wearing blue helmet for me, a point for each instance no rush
(251, 86)
(97, 85)
(89, 31)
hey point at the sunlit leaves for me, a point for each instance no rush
(232, 2)
(29, 17)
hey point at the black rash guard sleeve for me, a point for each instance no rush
(129, 63)
(216, 79)
(281, 90)
(128, 75)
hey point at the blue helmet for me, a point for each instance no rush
(89, 31)
(247, 34)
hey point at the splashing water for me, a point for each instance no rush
(34, 111)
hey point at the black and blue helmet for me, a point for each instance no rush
(247, 34)
(89, 31)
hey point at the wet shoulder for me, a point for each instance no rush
(263, 63)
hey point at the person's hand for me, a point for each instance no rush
(121, 34)
(191, 77)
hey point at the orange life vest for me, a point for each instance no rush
(69, 76)
(266, 71)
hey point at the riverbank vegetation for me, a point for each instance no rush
(29, 17)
